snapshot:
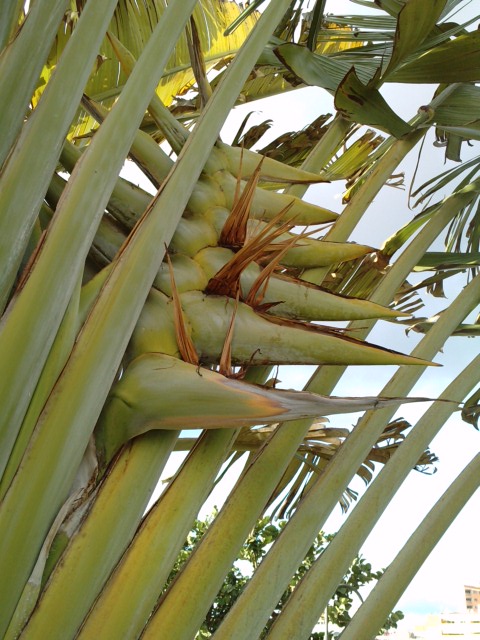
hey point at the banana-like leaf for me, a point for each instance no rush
(438, 182)
(269, 83)
(364, 104)
(468, 132)
(457, 60)
(415, 22)
(460, 108)
(397, 240)
(317, 70)
(274, 79)
(466, 225)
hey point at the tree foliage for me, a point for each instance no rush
(262, 536)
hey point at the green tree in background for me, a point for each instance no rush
(254, 549)
(134, 325)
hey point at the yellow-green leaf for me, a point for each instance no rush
(455, 61)
(314, 69)
(133, 23)
(415, 21)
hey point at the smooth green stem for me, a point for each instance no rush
(386, 593)
(37, 32)
(185, 444)
(55, 362)
(10, 13)
(129, 597)
(174, 132)
(127, 201)
(23, 184)
(260, 596)
(312, 594)
(26, 175)
(151, 158)
(194, 589)
(99, 543)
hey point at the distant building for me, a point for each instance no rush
(457, 625)
(445, 626)
(472, 598)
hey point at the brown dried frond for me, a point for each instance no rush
(257, 291)
(226, 282)
(383, 454)
(234, 230)
(294, 146)
(391, 438)
(253, 134)
(184, 341)
(225, 364)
